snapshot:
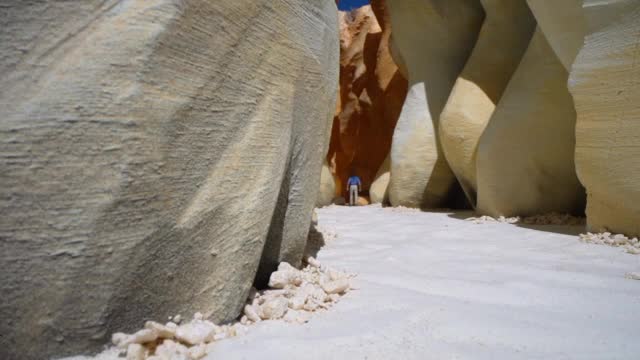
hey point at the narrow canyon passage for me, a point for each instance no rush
(168, 168)
(433, 286)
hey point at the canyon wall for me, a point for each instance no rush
(434, 38)
(154, 154)
(534, 119)
(605, 84)
(372, 91)
(502, 41)
(525, 163)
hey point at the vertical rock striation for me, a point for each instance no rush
(148, 148)
(605, 84)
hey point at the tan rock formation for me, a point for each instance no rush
(147, 149)
(564, 26)
(434, 39)
(372, 92)
(603, 95)
(327, 186)
(379, 191)
(604, 83)
(503, 39)
(525, 161)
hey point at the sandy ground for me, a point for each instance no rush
(433, 286)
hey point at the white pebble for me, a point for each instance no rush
(197, 352)
(163, 331)
(336, 287)
(251, 313)
(142, 336)
(136, 352)
(297, 302)
(172, 350)
(195, 332)
(313, 262)
(275, 308)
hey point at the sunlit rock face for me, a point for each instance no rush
(503, 39)
(525, 163)
(379, 191)
(595, 42)
(372, 91)
(604, 82)
(434, 39)
(533, 119)
(150, 152)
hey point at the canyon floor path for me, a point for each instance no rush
(433, 286)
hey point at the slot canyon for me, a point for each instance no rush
(165, 157)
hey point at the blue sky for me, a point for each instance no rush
(350, 4)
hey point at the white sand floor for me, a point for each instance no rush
(433, 286)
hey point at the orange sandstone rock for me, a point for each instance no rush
(372, 92)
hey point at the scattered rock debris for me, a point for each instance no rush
(294, 295)
(542, 219)
(631, 245)
(486, 219)
(403, 209)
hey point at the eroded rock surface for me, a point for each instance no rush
(503, 39)
(150, 151)
(605, 85)
(525, 162)
(434, 39)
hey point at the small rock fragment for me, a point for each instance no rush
(163, 331)
(335, 275)
(197, 352)
(336, 287)
(171, 350)
(313, 262)
(142, 336)
(285, 266)
(297, 302)
(251, 313)
(136, 352)
(275, 308)
(195, 332)
(279, 279)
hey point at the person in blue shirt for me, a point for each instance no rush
(354, 185)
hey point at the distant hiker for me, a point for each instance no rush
(354, 185)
